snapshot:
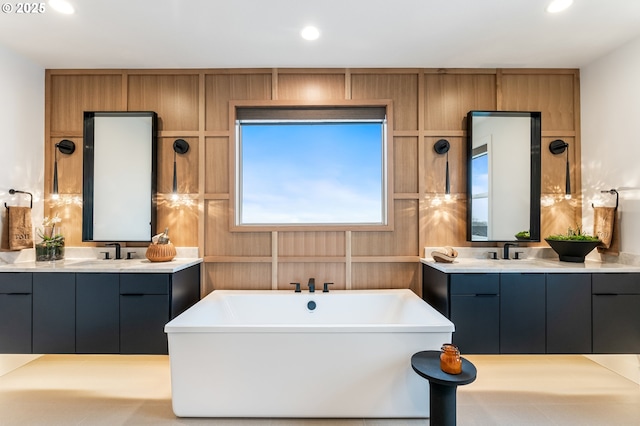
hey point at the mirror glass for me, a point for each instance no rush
(503, 154)
(119, 176)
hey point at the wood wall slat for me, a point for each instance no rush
(173, 97)
(435, 166)
(236, 276)
(219, 241)
(311, 244)
(402, 88)
(386, 275)
(217, 165)
(221, 88)
(186, 166)
(449, 97)
(301, 272)
(71, 95)
(553, 95)
(403, 241)
(405, 154)
(311, 87)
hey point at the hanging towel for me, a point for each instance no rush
(20, 229)
(604, 227)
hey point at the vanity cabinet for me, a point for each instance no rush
(97, 313)
(616, 313)
(92, 312)
(15, 313)
(54, 313)
(531, 313)
(522, 313)
(475, 311)
(568, 303)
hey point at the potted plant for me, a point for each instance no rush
(523, 236)
(51, 245)
(573, 246)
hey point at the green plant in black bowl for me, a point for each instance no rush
(574, 245)
(523, 236)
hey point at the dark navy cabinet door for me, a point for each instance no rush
(54, 313)
(522, 313)
(97, 313)
(15, 313)
(568, 313)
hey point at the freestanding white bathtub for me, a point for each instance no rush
(283, 354)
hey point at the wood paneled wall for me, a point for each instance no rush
(428, 104)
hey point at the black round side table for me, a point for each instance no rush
(442, 386)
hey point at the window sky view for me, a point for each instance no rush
(311, 172)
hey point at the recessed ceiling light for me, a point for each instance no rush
(310, 33)
(62, 6)
(559, 5)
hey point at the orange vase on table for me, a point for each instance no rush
(450, 361)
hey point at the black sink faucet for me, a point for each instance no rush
(312, 285)
(118, 252)
(505, 253)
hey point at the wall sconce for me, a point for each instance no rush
(180, 146)
(442, 147)
(558, 147)
(65, 146)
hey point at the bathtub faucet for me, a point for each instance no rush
(312, 285)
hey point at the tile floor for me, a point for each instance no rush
(135, 390)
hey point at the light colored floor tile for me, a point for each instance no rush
(98, 390)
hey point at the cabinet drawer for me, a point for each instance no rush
(144, 284)
(475, 284)
(15, 283)
(616, 283)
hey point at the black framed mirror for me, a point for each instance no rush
(503, 176)
(119, 176)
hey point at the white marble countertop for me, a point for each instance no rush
(531, 265)
(104, 266)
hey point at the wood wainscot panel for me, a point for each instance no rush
(216, 179)
(69, 167)
(553, 95)
(300, 272)
(405, 156)
(71, 95)
(311, 87)
(219, 241)
(173, 97)
(69, 208)
(443, 222)
(557, 214)
(402, 241)
(221, 88)
(554, 167)
(449, 97)
(236, 276)
(386, 275)
(329, 243)
(181, 217)
(401, 88)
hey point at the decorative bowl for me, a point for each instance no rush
(572, 250)
(160, 252)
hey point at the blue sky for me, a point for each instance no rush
(312, 173)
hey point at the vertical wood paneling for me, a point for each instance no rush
(427, 105)
(221, 88)
(553, 95)
(449, 97)
(405, 155)
(236, 276)
(311, 244)
(71, 95)
(311, 87)
(403, 241)
(221, 242)
(217, 165)
(173, 97)
(402, 88)
(386, 275)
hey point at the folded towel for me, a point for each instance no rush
(20, 229)
(606, 227)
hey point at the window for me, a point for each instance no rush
(307, 166)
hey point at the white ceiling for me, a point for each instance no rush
(354, 33)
